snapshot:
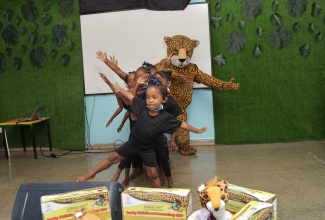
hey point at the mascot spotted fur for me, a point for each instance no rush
(184, 75)
(213, 198)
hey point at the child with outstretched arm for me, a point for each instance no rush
(152, 122)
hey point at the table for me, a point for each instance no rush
(22, 124)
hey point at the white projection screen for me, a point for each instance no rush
(135, 36)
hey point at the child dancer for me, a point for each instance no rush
(136, 162)
(152, 122)
(130, 82)
(162, 152)
(170, 106)
(138, 90)
(142, 77)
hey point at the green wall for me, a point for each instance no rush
(281, 98)
(50, 81)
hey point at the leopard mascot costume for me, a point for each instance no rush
(184, 74)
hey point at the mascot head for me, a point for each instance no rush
(213, 194)
(181, 48)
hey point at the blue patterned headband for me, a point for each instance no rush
(154, 81)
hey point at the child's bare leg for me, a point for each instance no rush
(153, 176)
(134, 173)
(116, 175)
(162, 175)
(170, 182)
(105, 164)
(126, 180)
(170, 164)
(140, 170)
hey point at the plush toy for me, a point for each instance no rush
(213, 198)
(184, 74)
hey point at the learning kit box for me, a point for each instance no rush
(91, 203)
(240, 196)
(255, 211)
(140, 203)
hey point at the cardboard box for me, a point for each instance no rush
(240, 196)
(255, 211)
(140, 203)
(91, 203)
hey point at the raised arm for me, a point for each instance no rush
(112, 64)
(104, 78)
(141, 81)
(117, 111)
(188, 127)
(165, 63)
(120, 91)
(126, 116)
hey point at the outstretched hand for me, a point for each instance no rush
(104, 78)
(113, 60)
(231, 85)
(119, 129)
(143, 79)
(117, 88)
(169, 58)
(109, 122)
(204, 129)
(231, 80)
(173, 146)
(101, 55)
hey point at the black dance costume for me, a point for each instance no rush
(162, 153)
(146, 131)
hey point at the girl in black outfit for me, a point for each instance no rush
(152, 122)
(125, 164)
(162, 152)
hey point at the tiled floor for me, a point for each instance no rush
(295, 172)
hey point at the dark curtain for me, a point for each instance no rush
(164, 5)
(94, 6)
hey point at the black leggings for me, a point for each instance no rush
(125, 163)
(134, 160)
(162, 156)
(137, 162)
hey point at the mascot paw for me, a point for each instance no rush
(230, 85)
(233, 86)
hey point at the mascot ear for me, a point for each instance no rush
(195, 43)
(166, 39)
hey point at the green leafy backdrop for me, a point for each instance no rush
(276, 51)
(41, 64)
